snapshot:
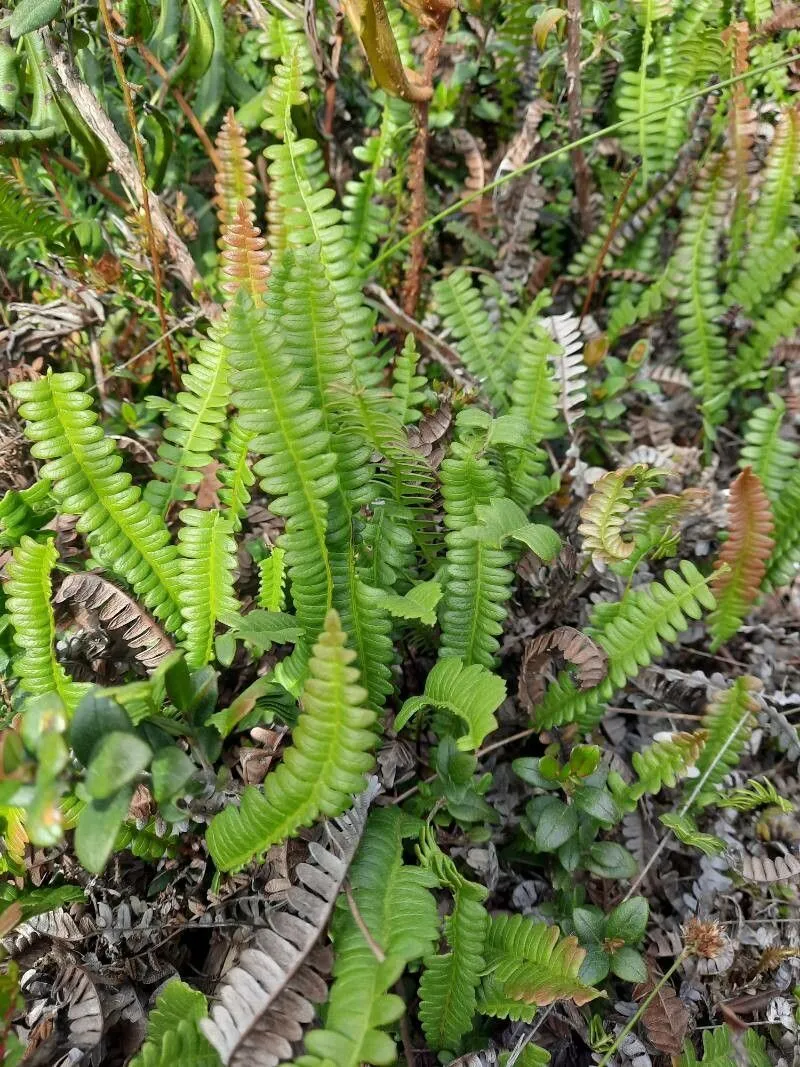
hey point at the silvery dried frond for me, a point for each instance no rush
(122, 615)
(75, 989)
(779, 727)
(707, 888)
(40, 327)
(55, 925)
(265, 1001)
(639, 836)
(570, 370)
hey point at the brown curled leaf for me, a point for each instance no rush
(574, 647)
(146, 640)
(370, 21)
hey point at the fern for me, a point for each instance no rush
(477, 577)
(235, 475)
(783, 563)
(729, 720)
(408, 387)
(449, 983)
(699, 303)
(530, 965)
(771, 457)
(235, 183)
(24, 218)
(173, 1036)
(743, 558)
(605, 512)
(396, 906)
(775, 322)
(205, 587)
(301, 214)
(662, 763)
(533, 392)
(272, 581)
(297, 469)
(320, 772)
(24, 511)
(28, 590)
(124, 533)
(472, 693)
(465, 317)
(632, 637)
(196, 420)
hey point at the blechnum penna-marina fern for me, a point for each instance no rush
(401, 510)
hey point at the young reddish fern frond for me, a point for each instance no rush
(234, 183)
(744, 555)
(245, 263)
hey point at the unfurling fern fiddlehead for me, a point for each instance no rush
(324, 768)
(123, 532)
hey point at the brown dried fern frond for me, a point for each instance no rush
(744, 556)
(234, 183)
(121, 615)
(589, 659)
(245, 263)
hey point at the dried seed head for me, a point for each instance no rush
(703, 938)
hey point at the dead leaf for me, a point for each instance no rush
(666, 1017)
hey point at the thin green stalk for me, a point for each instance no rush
(642, 1009)
(388, 253)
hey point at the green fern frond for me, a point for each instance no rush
(729, 720)
(604, 514)
(783, 564)
(755, 793)
(173, 1036)
(395, 904)
(699, 305)
(534, 392)
(408, 387)
(368, 625)
(662, 763)
(477, 577)
(418, 603)
(272, 581)
(387, 544)
(235, 474)
(330, 754)
(461, 307)
(123, 532)
(24, 511)
(205, 588)
(449, 983)
(25, 218)
(28, 590)
(632, 635)
(776, 321)
(472, 693)
(195, 421)
(529, 965)
(297, 469)
(773, 458)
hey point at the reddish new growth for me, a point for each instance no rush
(245, 264)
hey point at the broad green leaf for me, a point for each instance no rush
(598, 803)
(589, 924)
(628, 921)
(627, 964)
(117, 760)
(610, 860)
(31, 15)
(557, 823)
(171, 769)
(97, 829)
(595, 966)
(95, 717)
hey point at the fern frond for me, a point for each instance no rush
(604, 514)
(755, 793)
(173, 1035)
(387, 545)
(272, 581)
(665, 761)
(235, 474)
(408, 387)
(699, 304)
(472, 693)
(461, 306)
(449, 983)
(301, 214)
(395, 904)
(28, 590)
(123, 532)
(369, 628)
(744, 556)
(729, 720)
(779, 184)
(297, 469)
(244, 261)
(632, 637)
(530, 964)
(775, 322)
(570, 369)
(655, 138)
(477, 578)
(783, 563)
(24, 511)
(330, 754)
(234, 183)
(534, 392)
(195, 422)
(205, 588)
(24, 218)
(772, 458)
